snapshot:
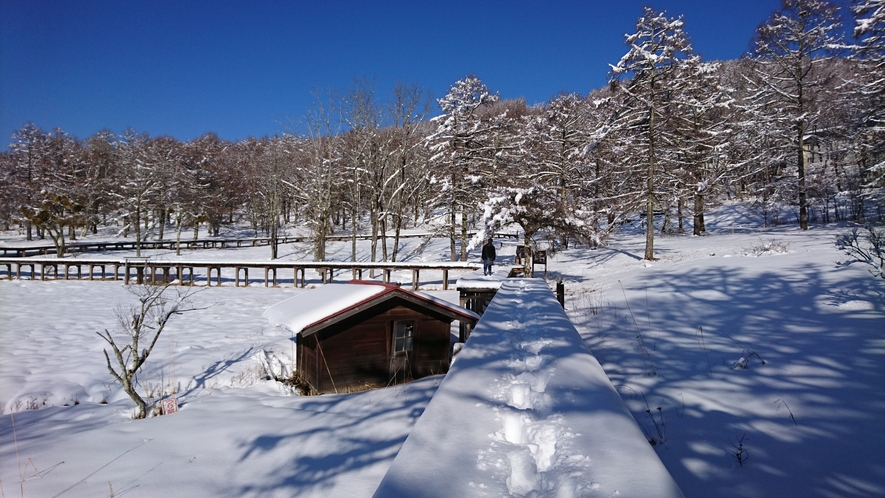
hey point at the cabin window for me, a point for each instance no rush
(402, 336)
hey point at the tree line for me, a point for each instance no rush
(797, 125)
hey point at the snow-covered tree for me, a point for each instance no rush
(869, 51)
(657, 49)
(460, 146)
(27, 156)
(791, 50)
(138, 186)
(703, 108)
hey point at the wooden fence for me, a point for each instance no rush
(147, 270)
(190, 244)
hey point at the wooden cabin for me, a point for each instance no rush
(364, 335)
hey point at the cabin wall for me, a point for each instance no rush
(355, 354)
(306, 359)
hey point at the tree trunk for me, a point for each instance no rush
(137, 223)
(179, 226)
(699, 226)
(803, 202)
(353, 226)
(464, 226)
(679, 215)
(527, 261)
(649, 219)
(162, 215)
(274, 246)
(452, 218)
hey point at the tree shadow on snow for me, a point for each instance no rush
(334, 438)
(770, 384)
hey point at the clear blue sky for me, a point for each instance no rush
(246, 68)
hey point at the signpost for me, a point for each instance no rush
(170, 405)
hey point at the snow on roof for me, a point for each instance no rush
(304, 310)
(445, 304)
(526, 410)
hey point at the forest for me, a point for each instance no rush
(796, 129)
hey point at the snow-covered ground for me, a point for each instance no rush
(688, 333)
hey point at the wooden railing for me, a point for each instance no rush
(122, 245)
(147, 270)
(189, 244)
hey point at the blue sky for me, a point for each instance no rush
(184, 68)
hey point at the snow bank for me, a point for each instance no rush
(526, 410)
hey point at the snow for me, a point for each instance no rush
(477, 280)
(300, 311)
(526, 409)
(446, 303)
(809, 419)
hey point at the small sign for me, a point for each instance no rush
(170, 405)
(540, 258)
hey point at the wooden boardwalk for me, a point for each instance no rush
(148, 270)
(191, 244)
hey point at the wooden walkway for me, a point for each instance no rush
(147, 270)
(129, 245)
(191, 244)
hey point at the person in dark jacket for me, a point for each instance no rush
(488, 257)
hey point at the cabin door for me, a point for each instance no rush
(402, 342)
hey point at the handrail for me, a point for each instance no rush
(189, 244)
(147, 269)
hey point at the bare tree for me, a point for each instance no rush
(139, 325)
(408, 109)
(318, 158)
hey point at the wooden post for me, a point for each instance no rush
(560, 292)
(415, 278)
(445, 279)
